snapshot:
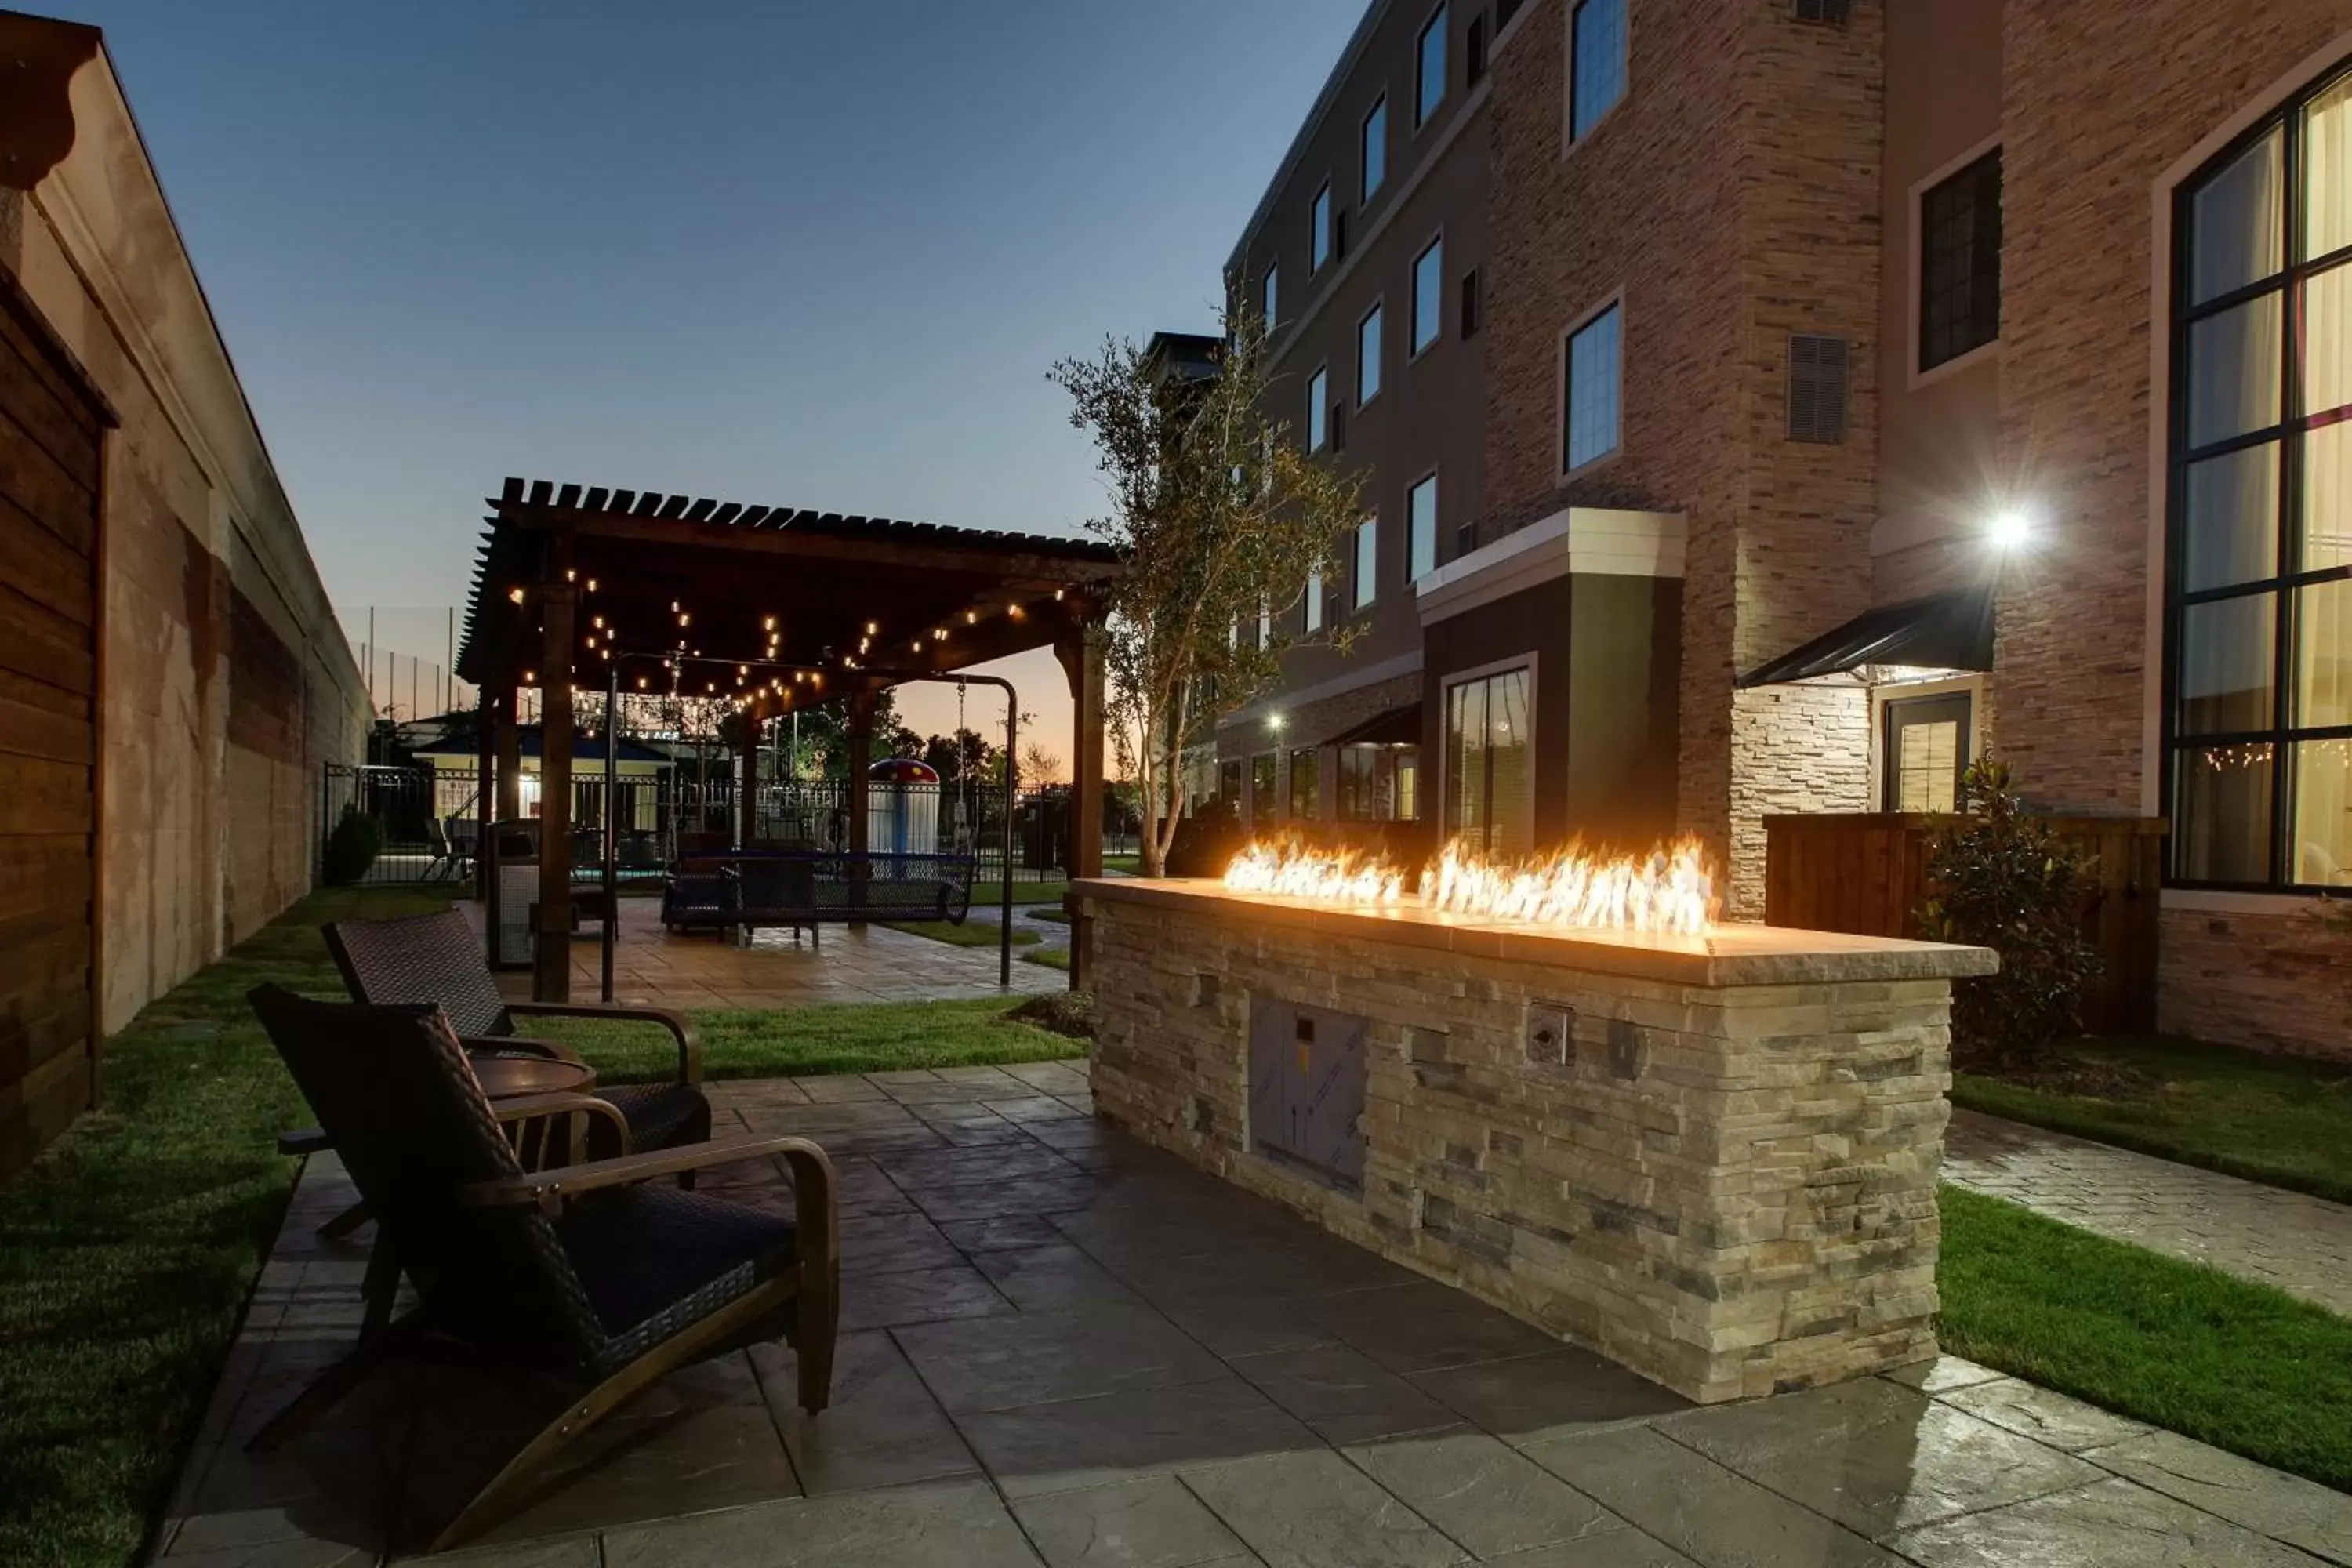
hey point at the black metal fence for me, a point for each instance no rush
(425, 823)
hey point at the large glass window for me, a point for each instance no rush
(1368, 357)
(1269, 297)
(1375, 149)
(1319, 224)
(1596, 62)
(1589, 401)
(1368, 561)
(1428, 294)
(1305, 784)
(1429, 73)
(2258, 713)
(1378, 784)
(1318, 410)
(1960, 262)
(1421, 529)
(1263, 805)
(1490, 764)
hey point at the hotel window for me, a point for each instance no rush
(1421, 529)
(1429, 294)
(1368, 357)
(1429, 73)
(1589, 394)
(1474, 50)
(1311, 613)
(1319, 221)
(1960, 262)
(1319, 431)
(1489, 764)
(1596, 74)
(1269, 299)
(1374, 147)
(1306, 785)
(1378, 784)
(1262, 801)
(2259, 623)
(1368, 561)
(1265, 626)
(1927, 747)
(1229, 782)
(1470, 303)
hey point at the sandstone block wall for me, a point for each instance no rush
(1731, 1189)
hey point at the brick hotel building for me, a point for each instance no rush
(1764, 405)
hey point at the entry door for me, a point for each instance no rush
(49, 434)
(1927, 751)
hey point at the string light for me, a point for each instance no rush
(515, 594)
(873, 629)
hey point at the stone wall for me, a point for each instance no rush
(1731, 1188)
(1801, 747)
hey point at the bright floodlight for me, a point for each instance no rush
(1274, 721)
(2012, 529)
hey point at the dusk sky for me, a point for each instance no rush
(820, 254)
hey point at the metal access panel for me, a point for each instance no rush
(1307, 1086)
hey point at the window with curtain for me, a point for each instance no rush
(1490, 764)
(1311, 610)
(2259, 622)
(1587, 399)
(1596, 48)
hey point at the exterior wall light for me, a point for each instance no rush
(2011, 529)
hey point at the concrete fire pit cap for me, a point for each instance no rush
(1731, 955)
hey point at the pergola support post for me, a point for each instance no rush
(746, 779)
(485, 761)
(861, 823)
(551, 977)
(1082, 661)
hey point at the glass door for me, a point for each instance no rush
(1927, 751)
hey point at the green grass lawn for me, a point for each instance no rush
(2279, 1119)
(2239, 1365)
(971, 934)
(1054, 917)
(1049, 958)
(991, 895)
(127, 1252)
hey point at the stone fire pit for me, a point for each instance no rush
(1712, 1158)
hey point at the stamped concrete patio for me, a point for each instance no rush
(653, 967)
(1062, 1347)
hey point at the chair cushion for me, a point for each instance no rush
(660, 1115)
(654, 1259)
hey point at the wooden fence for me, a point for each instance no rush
(1867, 873)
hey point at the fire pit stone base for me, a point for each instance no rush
(1718, 1170)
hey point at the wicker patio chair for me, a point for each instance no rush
(598, 1278)
(437, 958)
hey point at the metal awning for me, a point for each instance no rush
(1397, 727)
(1942, 631)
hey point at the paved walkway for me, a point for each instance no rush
(652, 967)
(1063, 1348)
(2301, 1244)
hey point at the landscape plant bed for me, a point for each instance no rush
(2280, 1119)
(2240, 1365)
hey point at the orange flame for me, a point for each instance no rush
(1668, 890)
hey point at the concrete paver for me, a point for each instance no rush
(1065, 1348)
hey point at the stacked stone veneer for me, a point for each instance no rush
(1728, 1184)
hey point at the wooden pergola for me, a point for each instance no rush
(589, 589)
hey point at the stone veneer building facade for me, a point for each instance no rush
(1772, 314)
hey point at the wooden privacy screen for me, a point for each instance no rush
(50, 431)
(1867, 873)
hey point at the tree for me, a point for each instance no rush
(1220, 518)
(1039, 765)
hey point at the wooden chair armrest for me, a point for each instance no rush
(548, 1189)
(567, 1102)
(689, 1044)
(304, 1140)
(553, 1050)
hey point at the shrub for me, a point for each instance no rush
(352, 847)
(2006, 880)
